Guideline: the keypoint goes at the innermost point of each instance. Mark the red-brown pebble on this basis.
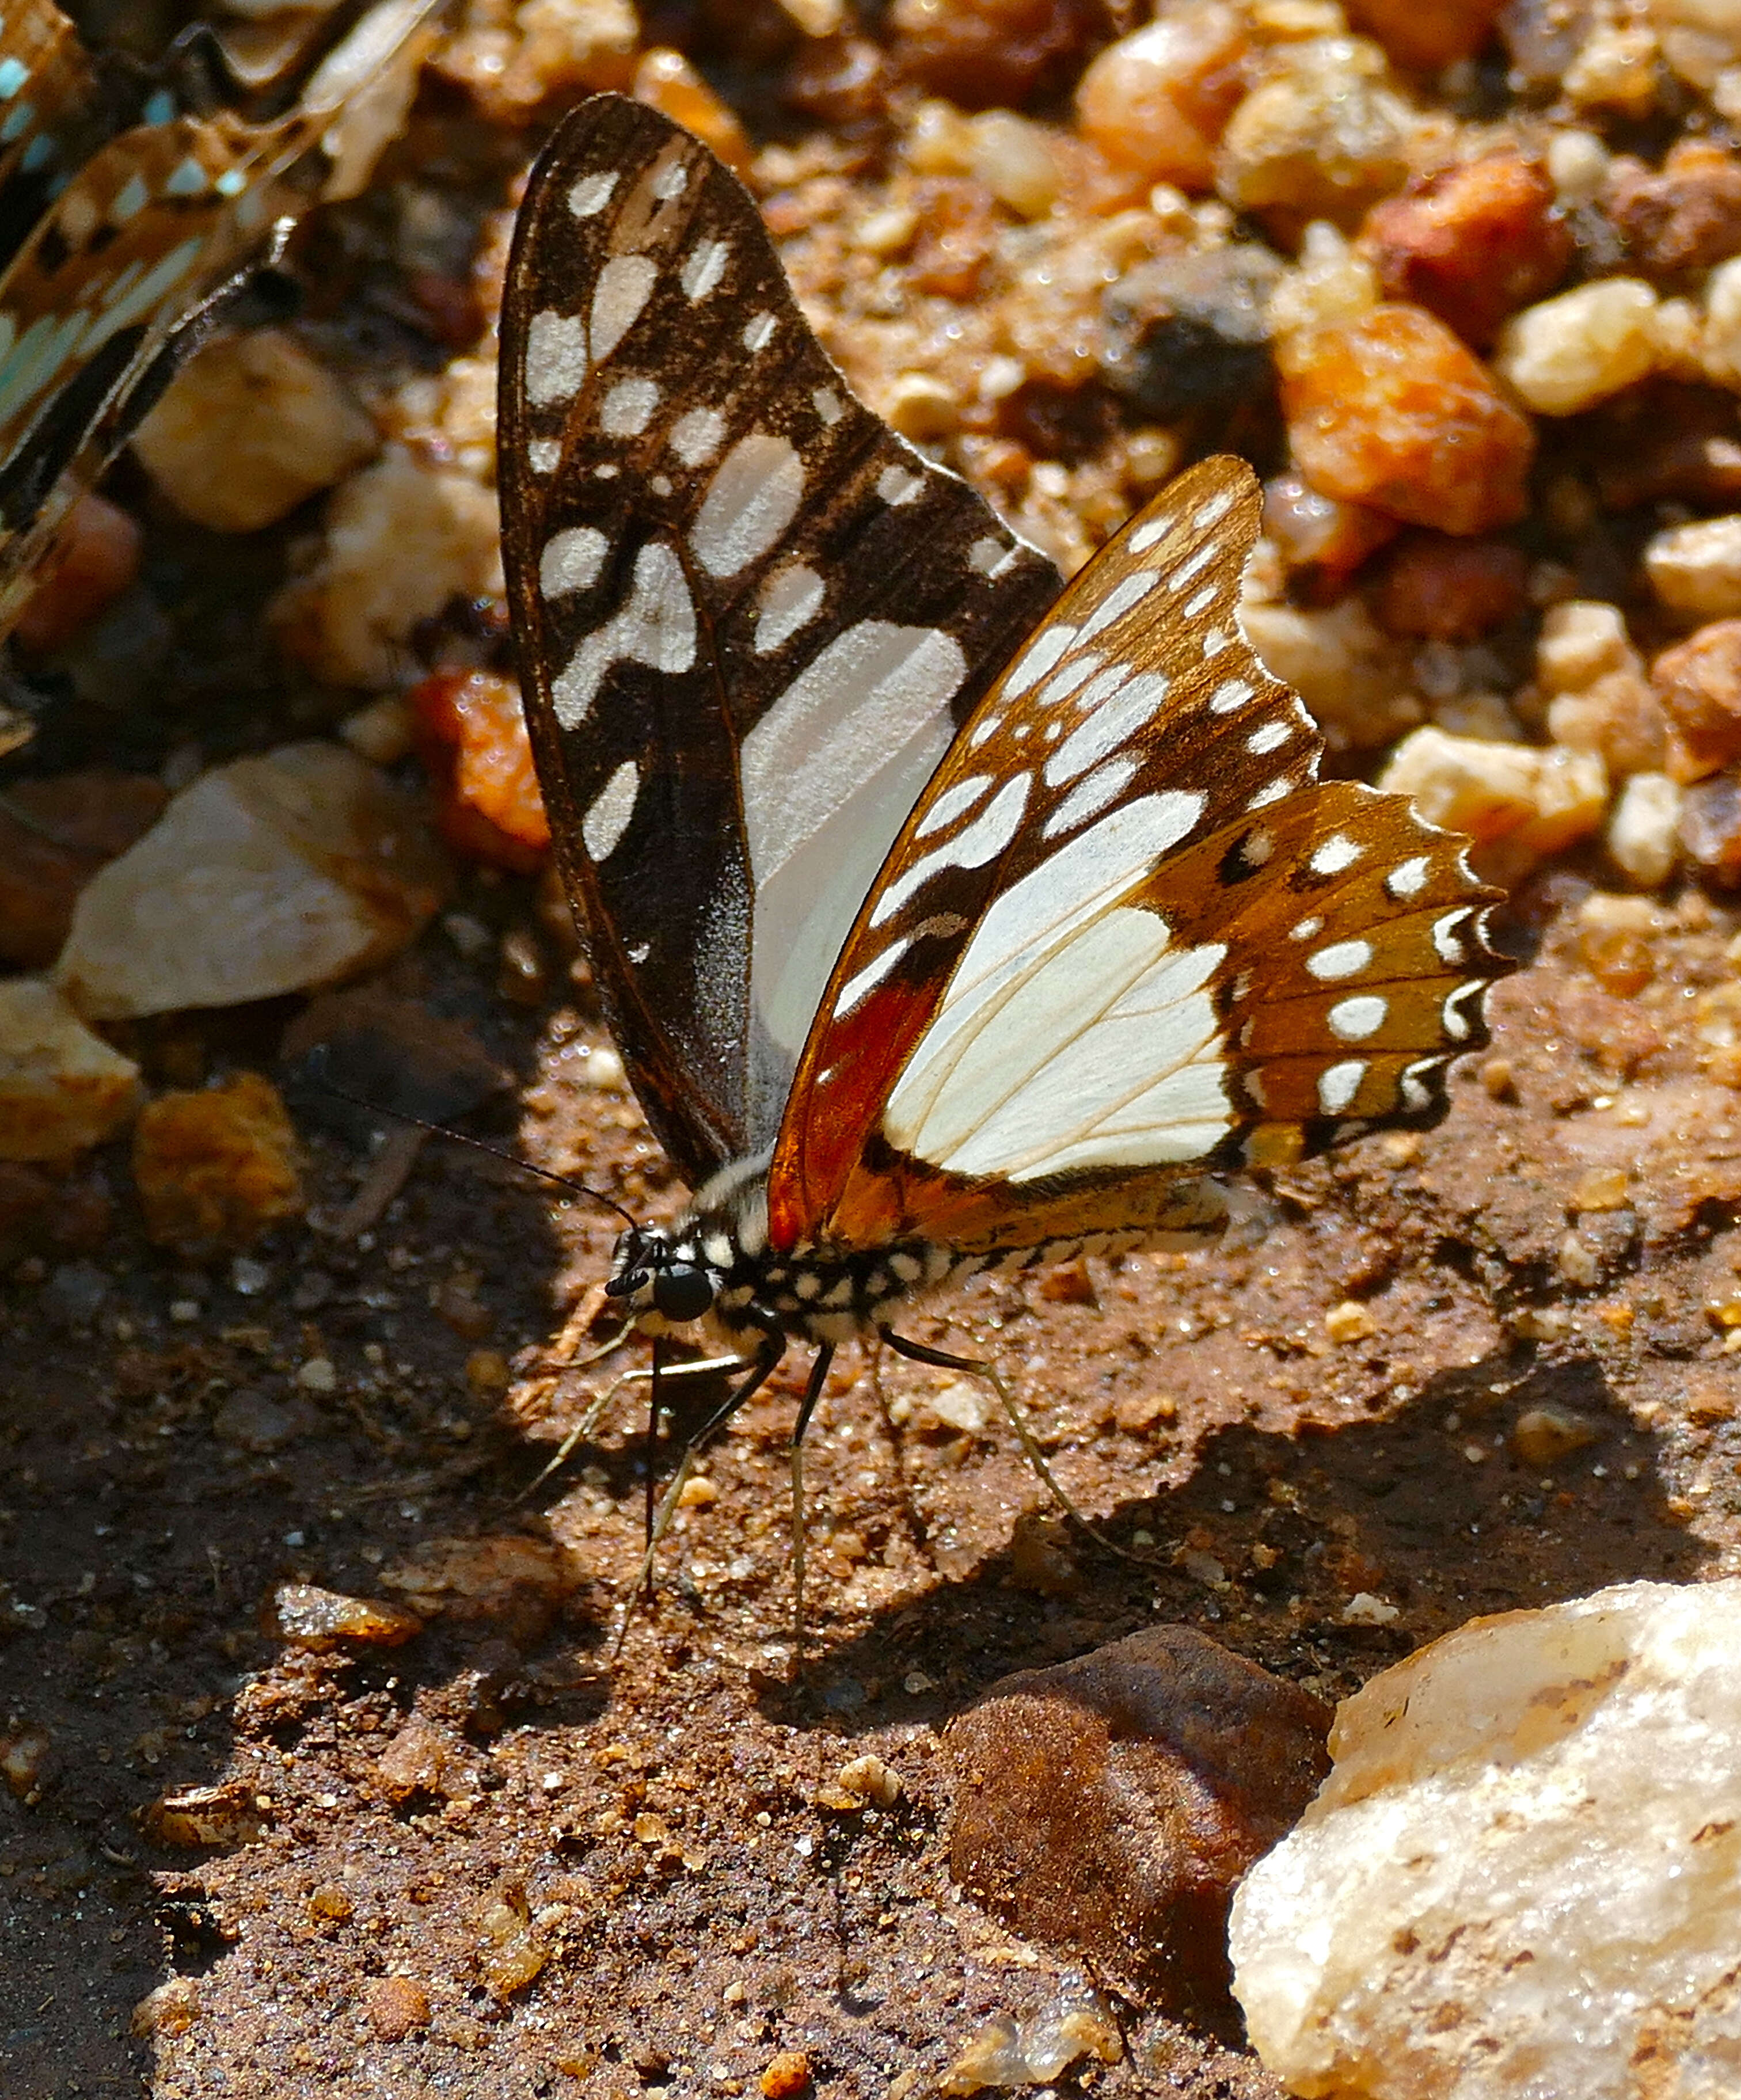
(1393, 410)
(1157, 102)
(1431, 588)
(1472, 244)
(1682, 218)
(395, 2006)
(990, 53)
(214, 1169)
(843, 82)
(1699, 683)
(1427, 37)
(1314, 531)
(1110, 1804)
(471, 734)
(787, 2076)
(958, 232)
(55, 834)
(96, 559)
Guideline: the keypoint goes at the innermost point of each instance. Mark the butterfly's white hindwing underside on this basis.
(1125, 934)
(751, 616)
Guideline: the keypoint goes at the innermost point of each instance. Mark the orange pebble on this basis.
(96, 557)
(1393, 411)
(1426, 37)
(471, 732)
(786, 2076)
(1157, 102)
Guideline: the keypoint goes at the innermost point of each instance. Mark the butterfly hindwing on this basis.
(1125, 935)
(750, 617)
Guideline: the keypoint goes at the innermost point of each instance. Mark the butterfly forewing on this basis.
(1125, 935)
(750, 617)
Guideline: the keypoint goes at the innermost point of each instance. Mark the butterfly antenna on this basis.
(479, 1145)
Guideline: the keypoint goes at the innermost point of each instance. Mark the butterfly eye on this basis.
(682, 1294)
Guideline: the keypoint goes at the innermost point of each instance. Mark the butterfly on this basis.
(120, 252)
(946, 918)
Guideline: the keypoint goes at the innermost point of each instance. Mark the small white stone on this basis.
(1696, 569)
(1519, 803)
(402, 538)
(1643, 830)
(267, 875)
(1568, 353)
(1519, 1879)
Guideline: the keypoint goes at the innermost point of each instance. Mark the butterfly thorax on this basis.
(715, 1260)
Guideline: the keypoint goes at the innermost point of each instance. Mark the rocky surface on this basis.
(1519, 1876)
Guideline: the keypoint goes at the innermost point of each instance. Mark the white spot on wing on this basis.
(953, 802)
(753, 497)
(671, 181)
(1408, 878)
(1230, 694)
(695, 435)
(791, 598)
(628, 408)
(1447, 937)
(544, 455)
(656, 628)
(1038, 657)
(759, 332)
(555, 358)
(591, 194)
(1337, 1084)
(828, 404)
(1337, 852)
(1353, 1019)
(1271, 737)
(895, 485)
(608, 817)
(1200, 602)
(1213, 512)
(869, 977)
(704, 268)
(1342, 959)
(981, 841)
(989, 557)
(1112, 722)
(1126, 593)
(1088, 797)
(624, 286)
(572, 560)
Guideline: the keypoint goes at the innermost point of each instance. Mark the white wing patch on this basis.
(753, 497)
(1073, 1034)
(656, 628)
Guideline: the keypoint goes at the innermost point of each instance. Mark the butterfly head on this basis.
(663, 1282)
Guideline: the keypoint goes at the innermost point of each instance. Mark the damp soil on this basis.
(507, 1858)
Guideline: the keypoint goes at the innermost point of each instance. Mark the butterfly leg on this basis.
(920, 1353)
(762, 1367)
(819, 1374)
(708, 1366)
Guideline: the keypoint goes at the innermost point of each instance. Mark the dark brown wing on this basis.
(749, 616)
